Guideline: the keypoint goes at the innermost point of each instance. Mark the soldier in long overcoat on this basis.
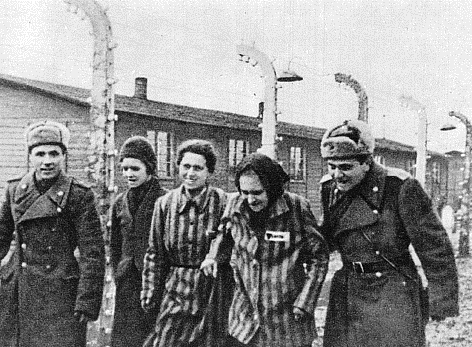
(131, 222)
(371, 215)
(279, 259)
(54, 278)
(192, 308)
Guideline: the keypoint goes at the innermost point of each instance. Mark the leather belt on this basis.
(359, 267)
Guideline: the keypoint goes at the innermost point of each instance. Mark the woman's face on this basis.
(134, 171)
(193, 171)
(252, 190)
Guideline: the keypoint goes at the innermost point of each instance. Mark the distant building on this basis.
(23, 101)
(455, 178)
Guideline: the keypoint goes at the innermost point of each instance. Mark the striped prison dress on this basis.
(180, 236)
(273, 276)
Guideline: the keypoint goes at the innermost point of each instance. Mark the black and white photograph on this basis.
(230, 173)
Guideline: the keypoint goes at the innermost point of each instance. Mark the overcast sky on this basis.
(187, 50)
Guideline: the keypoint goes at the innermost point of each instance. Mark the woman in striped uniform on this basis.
(184, 222)
(279, 259)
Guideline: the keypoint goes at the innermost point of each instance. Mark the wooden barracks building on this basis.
(24, 101)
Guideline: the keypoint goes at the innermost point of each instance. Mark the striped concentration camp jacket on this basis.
(274, 276)
(180, 237)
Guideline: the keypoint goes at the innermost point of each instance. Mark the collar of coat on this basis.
(29, 203)
(185, 200)
(147, 204)
(366, 203)
(278, 208)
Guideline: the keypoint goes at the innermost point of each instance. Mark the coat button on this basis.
(23, 245)
(378, 274)
(23, 265)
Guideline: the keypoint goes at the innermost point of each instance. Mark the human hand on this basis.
(209, 267)
(147, 305)
(437, 318)
(299, 314)
(82, 317)
(225, 225)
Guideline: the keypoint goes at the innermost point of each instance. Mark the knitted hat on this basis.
(349, 140)
(47, 133)
(138, 147)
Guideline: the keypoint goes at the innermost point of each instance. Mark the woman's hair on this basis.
(197, 146)
(269, 172)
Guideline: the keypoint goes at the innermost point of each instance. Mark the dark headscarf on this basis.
(270, 173)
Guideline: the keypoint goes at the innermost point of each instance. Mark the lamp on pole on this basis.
(466, 206)
(251, 55)
(412, 104)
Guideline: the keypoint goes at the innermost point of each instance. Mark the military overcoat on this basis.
(129, 240)
(45, 280)
(383, 308)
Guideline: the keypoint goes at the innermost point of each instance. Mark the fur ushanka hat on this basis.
(350, 139)
(47, 132)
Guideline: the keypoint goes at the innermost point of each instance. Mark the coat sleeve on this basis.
(92, 252)
(315, 254)
(222, 243)
(156, 264)
(434, 249)
(116, 239)
(7, 225)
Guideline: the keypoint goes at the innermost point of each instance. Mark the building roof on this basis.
(455, 153)
(128, 104)
(160, 109)
(393, 145)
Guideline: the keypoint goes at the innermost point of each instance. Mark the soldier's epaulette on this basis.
(399, 173)
(80, 183)
(326, 178)
(17, 178)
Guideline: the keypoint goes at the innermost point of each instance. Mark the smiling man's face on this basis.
(47, 160)
(347, 173)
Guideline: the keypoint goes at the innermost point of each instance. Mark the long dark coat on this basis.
(129, 240)
(181, 232)
(44, 280)
(383, 308)
(270, 278)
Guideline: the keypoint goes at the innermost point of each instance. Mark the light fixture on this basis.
(289, 76)
(448, 126)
